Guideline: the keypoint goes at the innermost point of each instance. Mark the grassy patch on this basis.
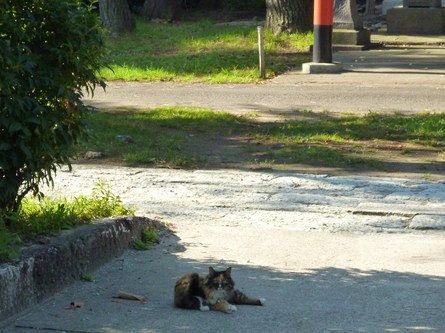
(87, 278)
(191, 137)
(160, 137)
(200, 51)
(313, 154)
(350, 140)
(48, 217)
(426, 129)
(149, 238)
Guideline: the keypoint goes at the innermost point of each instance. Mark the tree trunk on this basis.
(289, 16)
(115, 15)
(162, 9)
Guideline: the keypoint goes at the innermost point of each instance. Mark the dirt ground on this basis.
(393, 159)
(393, 162)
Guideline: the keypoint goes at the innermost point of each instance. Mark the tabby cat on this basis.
(215, 291)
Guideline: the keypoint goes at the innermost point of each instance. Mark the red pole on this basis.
(323, 21)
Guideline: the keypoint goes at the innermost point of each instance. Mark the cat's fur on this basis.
(215, 291)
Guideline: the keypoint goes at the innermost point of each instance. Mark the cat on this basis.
(215, 292)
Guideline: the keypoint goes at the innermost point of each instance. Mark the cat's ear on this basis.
(228, 271)
(212, 272)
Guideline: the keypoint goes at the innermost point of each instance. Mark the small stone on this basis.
(124, 138)
(43, 240)
(93, 155)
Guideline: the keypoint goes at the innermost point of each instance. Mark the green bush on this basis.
(50, 51)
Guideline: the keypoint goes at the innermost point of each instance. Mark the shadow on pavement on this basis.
(327, 299)
(399, 60)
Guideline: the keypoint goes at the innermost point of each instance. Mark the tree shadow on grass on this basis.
(197, 138)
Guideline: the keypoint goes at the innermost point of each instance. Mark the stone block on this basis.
(422, 3)
(428, 222)
(421, 21)
(46, 269)
(351, 37)
(321, 68)
(346, 15)
(388, 4)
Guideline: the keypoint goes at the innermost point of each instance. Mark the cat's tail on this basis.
(188, 293)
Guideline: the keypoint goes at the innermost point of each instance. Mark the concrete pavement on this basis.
(313, 283)
(330, 254)
(268, 200)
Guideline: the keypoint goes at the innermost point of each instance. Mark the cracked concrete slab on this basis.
(266, 199)
(424, 222)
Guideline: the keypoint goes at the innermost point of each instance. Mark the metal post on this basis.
(323, 21)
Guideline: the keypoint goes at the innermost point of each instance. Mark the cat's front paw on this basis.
(262, 301)
(231, 308)
(204, 308)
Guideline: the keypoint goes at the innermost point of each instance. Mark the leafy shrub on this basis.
(50, 51)
(102, 203)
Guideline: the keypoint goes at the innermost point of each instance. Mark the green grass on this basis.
(161, 136)
(426, 129)
(316, 155)
(184, 137)
(149, 237)
(349, 141)
(48, 217)
(200, 51)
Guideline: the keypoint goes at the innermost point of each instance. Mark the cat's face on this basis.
(219, 283)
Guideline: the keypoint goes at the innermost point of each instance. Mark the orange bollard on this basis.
(323, 21)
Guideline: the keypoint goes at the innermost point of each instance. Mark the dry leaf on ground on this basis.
(129, 296)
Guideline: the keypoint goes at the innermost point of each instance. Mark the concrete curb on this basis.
(322, 68)
(46, 269)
